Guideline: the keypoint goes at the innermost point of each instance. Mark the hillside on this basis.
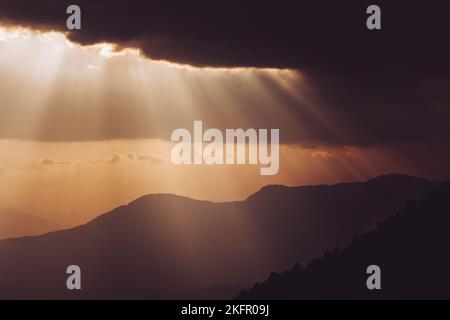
(411, 248)
(164, 246)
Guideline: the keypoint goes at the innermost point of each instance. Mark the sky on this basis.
(86, 115)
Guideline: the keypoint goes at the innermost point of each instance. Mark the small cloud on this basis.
(130, 156)
(50, 162)
(47, 162)
(115, 158)
(143, 157)
(64, 163)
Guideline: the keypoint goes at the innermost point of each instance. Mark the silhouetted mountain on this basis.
(411, 248)
(165, 246)
(14, 223)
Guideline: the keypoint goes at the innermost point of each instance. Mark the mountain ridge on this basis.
(160, 245)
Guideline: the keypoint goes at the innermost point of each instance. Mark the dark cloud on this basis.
(324, 35)
(379, 113)
(374, 87)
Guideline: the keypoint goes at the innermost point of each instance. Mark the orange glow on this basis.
(94, 125)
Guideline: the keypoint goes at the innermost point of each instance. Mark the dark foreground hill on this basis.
(166, 246)
(411, 248)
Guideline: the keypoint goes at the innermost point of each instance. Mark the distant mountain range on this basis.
(411, 249)
(14, 223)
(167, 246)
